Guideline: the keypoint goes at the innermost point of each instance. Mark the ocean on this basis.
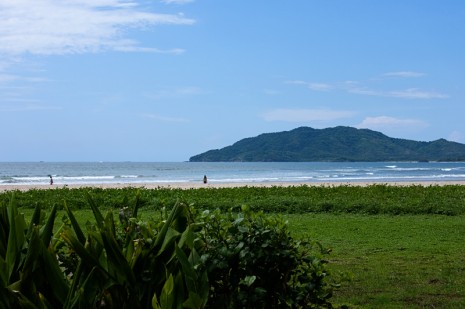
(67, 173)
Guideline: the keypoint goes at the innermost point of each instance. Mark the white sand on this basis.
(186, 185)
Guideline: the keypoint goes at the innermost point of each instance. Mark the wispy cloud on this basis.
(50, 27)
(320, 86)
(312, 85)
(167, 93)
(177, 1)
(411, 93)
(414, 93)
(31, 107)
(404, 74)
(365, 88)
(386, 122)
(303, 115)
(165, 118)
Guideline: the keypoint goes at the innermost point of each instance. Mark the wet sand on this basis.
(190, 185)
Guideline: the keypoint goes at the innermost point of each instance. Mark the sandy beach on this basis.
(190, 185)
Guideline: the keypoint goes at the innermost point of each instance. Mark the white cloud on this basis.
(404, 74)
(414, 93)
(320, 86)
(296, 82)
(170, 93)
(177, 1)
(165, 119)
(360, 88)
(48, 27)
(386, 122)
(311, 85)
(28, 108)
(299, 115)
(411, 93)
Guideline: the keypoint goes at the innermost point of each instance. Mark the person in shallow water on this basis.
(205, 179)
(51, 179)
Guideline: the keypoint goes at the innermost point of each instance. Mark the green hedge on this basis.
(372, 199)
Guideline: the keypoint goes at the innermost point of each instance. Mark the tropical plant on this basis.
(30, 276)
(135, 264)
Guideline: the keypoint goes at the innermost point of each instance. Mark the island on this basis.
(337, 144)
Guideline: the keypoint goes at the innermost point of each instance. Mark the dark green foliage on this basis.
(253, 262)
(29, 273)
(305, 144)
(135, 264)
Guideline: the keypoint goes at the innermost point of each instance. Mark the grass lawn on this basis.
(394, 261)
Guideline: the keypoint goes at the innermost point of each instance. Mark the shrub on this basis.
(253, 262)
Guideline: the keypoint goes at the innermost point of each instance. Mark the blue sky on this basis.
(152, 80)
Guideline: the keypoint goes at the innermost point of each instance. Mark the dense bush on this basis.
(187, 259)
(253, 262)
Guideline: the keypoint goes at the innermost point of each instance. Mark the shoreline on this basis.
(199, 185)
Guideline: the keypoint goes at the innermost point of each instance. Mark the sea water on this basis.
(67, 173)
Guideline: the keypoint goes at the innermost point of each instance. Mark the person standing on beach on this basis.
(205, 179)
(51, 179)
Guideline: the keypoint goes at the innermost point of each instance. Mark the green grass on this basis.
(394, 261)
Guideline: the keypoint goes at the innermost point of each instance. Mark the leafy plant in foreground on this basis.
(253, 262)
(29, 273)
(135, 264)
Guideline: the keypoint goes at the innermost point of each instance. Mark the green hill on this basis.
(306, 144)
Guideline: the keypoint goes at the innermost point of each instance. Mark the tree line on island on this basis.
(338, 144)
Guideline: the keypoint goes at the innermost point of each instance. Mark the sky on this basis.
(163, 80)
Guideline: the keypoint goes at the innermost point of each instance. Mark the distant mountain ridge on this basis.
(338, 144)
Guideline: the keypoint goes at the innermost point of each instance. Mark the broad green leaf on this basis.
(167, 293)
(72, 292)
(83, 296)
(177, 209)
(117, 263)
(187, 268)
(55, 277)
(46, 231)
(136, 205)
(35, 220)
(110, 223)
(85, 255)
(170, 236)
(16, 237)
(97, 214)
(32, 256)
(194, 301)
(188, 238)
(155, 303)
(75, 225)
